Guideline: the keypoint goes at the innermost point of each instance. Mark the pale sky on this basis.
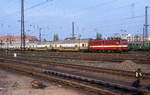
(107, 17)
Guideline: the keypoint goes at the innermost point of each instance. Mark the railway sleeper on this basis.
(146, 75)
(90, 80)
(94, 81)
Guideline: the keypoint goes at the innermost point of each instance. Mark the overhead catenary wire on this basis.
(121, 23)
(130, 18)
(32, 7)
(115, 9)
(85, 10)
(98, 5)
(37, 5)
(44, 2)
(127, 18)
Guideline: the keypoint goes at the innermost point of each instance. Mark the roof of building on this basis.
(17, 37)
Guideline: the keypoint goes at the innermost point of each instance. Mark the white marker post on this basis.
(15, 54)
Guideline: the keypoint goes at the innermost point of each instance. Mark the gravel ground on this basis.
(138, 56)
(127, 65)
(17, 84)
(78, 58)
(127, 81)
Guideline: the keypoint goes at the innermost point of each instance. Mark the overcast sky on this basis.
(107, 17)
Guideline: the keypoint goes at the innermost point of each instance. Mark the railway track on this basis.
(92, 72)
(85, 68)
(138, 57)
(94, 85)
(139, 61)
(109, 58)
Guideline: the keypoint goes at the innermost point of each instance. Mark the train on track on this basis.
(139, 45)
(79, 45)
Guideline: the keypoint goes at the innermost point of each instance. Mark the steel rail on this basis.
(86, 68)
(27, 67)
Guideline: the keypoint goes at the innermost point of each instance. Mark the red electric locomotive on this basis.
(108, 45)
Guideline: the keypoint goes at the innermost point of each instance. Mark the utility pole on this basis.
(72, 29)
(132, 9)
(143, 35)
(146, 24)
(23, 37)
(40, 36)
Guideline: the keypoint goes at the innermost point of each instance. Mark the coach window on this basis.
(147, 44)
(82, 45)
